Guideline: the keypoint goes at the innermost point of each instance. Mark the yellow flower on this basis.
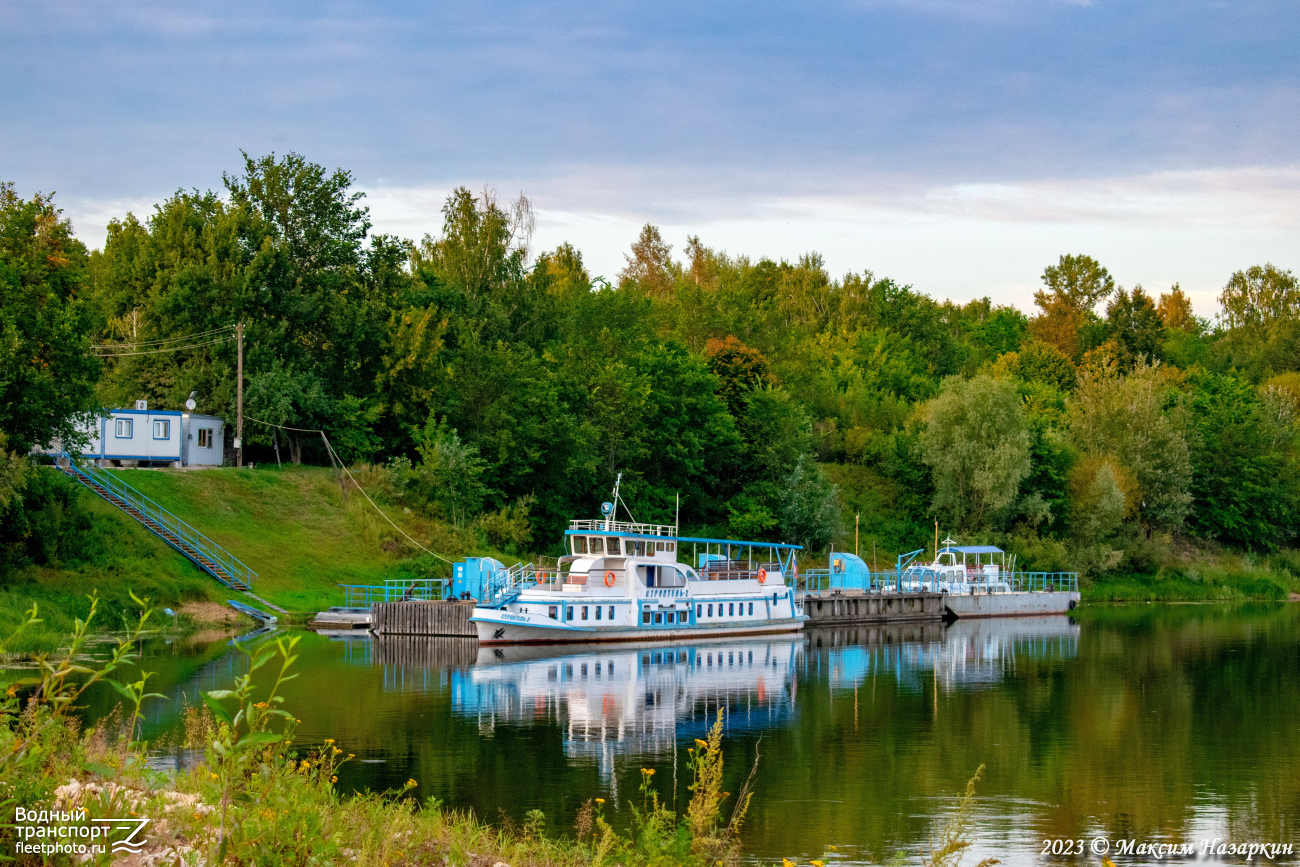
(832, 848)
(786, 862)
(329, 741)
(600, 800)
(819, 864)
(334, 779)
(411, 784)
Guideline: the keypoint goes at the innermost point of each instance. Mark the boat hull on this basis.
(1027, 604)
(497, 627)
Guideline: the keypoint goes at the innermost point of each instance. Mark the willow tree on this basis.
(977, 446)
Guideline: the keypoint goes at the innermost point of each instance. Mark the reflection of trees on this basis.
(1164, 712)
(1160, 722)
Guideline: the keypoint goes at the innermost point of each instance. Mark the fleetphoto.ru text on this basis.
(70, 832)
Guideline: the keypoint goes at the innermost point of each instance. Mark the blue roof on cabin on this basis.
(973, 549)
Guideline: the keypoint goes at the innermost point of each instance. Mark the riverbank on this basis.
(292, 526)
(1201, 575)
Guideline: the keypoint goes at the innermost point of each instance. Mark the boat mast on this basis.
(609, 518)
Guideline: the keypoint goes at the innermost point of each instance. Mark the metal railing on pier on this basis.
(395, 590)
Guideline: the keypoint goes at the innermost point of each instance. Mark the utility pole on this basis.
(857, 524)
(239, 396)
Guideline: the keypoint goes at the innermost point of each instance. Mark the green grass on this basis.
(291, 526)
(1212, 579)
(120, 556)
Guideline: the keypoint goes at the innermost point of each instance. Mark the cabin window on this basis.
(731, 610)
(611, 617)
(670, 546)
(611, 545)
(162, 429)
(710, 609)
(659, 618)
(597, 545)
(584, 612)
(774, 600)
(751, 609)
(122, 428)
(205, 437)
(568, 614)
(699, 610)
(598, 609)
(552, 613)
(645, 616)
(580, 544)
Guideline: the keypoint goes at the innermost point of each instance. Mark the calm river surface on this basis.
(1155, 724)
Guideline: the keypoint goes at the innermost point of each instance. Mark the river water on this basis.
(1120, 729)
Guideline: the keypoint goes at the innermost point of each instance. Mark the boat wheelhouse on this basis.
(627, 582)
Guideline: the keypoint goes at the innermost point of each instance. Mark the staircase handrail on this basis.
(182, 530)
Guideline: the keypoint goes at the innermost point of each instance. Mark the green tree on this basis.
(810, 513)
(1140, 421)
(1245, 484)
(1133, 322)
(1261, 309)
(1073, 287)
(47, 375)
(976, 444)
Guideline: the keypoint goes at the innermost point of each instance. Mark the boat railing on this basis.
(598, 526)
(927, 579)
(735, 570)
(395, 590)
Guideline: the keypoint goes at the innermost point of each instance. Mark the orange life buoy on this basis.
(762, 576)
(609, 579)
(541, 576)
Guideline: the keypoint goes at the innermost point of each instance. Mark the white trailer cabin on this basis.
(150, 438)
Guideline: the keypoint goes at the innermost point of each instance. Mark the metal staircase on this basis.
(206, 554)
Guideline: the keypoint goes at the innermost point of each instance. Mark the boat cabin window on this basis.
(660, 576)
(596, 545)
(580, 544)
(611, 545)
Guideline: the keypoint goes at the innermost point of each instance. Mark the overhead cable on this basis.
(334, 456)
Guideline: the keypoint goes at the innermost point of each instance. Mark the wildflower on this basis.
(411, 784)
(786, 862)
(600, 800)
(329, 741)
(214, 776)
(819, 864)
(701, 744)
(334, 779)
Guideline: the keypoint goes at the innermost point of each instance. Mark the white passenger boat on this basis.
(627, 582)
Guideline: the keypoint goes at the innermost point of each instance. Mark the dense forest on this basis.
(497, 387)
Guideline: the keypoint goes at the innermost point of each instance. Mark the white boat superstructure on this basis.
(626, 582)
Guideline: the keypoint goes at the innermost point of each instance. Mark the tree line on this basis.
(484, 381)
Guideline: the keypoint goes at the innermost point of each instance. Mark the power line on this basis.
(163, 340)
(225, 339)
(334, 456)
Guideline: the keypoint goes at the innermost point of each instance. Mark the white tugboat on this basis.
(624, 582)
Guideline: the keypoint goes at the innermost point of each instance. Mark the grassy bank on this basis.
(292, 526)
(1204, 575)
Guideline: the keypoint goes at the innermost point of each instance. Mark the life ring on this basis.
(541, 577)
(609, 579)
(762, 576)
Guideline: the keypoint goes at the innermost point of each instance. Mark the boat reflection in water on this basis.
(619, 701)
(969, 654)
(613, 701)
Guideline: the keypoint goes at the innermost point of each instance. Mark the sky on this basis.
(953, 145)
